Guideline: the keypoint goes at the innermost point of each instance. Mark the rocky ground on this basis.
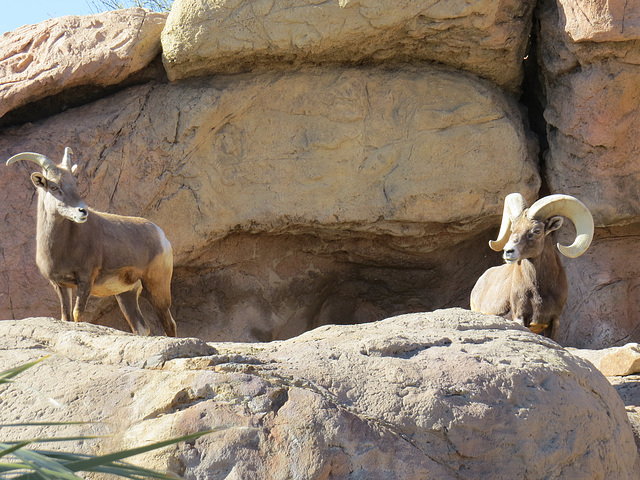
(307, 175)
(305, 172)
(621, 365)
(444, 395)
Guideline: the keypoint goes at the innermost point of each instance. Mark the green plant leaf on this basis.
(121, 469)
(6, 449)
(52, 465)
(114, 457)
(7, 375)
(43, 465)
(43, 424)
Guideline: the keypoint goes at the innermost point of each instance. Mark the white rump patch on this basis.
(166, 245)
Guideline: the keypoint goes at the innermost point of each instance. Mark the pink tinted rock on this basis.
(446, 395)
(601, 20)
(40, 60)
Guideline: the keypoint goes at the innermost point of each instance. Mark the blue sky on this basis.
(16, 13)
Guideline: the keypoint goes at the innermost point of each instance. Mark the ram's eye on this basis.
(54, 188)
(537, 231)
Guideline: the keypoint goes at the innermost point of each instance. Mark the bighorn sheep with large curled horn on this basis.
(97, 253)
(532, 286)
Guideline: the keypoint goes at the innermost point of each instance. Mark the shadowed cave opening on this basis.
(264, 287)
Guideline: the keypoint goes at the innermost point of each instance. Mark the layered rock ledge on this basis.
(486, 38)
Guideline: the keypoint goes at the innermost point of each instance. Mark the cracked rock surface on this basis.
(287, 197)
(487, 38)
(37, 61)
(448, 394)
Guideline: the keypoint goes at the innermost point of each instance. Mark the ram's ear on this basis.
(39, 180)
(74, 169)
(553, 224)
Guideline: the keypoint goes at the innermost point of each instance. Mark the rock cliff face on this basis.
(455, 395)
(589, 62)
(322, 163)
(313, 161)
(488, 38)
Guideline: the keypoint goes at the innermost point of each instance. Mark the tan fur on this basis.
(97, 253)
(533, 290)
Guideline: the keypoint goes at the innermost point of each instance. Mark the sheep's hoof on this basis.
(537, 327)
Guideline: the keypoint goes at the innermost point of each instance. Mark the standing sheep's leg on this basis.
(160, 297)
(554, 329)
(157, 283)
(168, 323)
(130, 307)
(84, 291)
(64, 295)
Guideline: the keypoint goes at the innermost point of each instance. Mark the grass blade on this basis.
(55, 439)
(8, 448)
(7, 375)
(91, 463)
(131, 471)
(43, 466)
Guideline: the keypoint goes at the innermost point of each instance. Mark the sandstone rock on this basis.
(347, 176)
(601, 20)
(593, 100)
(487, 38)
(603, 302)
(594, 134)
(450, 394)
(628, 387)
(614, 361)
(634, 418)
(621, 361)
(41, 60)
(590, 68)
(592, 356)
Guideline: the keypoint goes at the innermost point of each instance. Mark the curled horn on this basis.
(574, 210)
(66, 159)
(38, 158)
(514, 206)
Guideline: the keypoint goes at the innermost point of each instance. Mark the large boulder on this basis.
(288, 196)
(600, 20)
(76, 52)
(446, 395)
(590, 65)
(589, 54)
(487, 38)
(314, 188)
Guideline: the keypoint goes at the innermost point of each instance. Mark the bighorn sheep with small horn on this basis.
(532, 286)
(97, 253)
